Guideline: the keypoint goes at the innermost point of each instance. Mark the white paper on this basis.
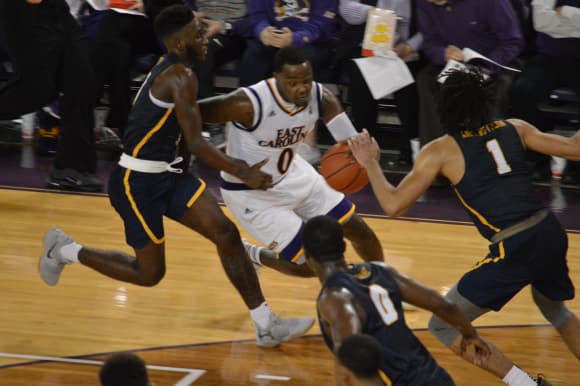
(384, 74)
(469, 54)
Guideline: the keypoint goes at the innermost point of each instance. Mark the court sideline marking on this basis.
(191, 376)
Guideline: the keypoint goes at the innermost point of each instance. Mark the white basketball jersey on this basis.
(278, 128)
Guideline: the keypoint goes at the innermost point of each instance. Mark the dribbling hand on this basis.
(254, 177)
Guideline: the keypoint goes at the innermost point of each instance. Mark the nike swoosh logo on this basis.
(50, 251)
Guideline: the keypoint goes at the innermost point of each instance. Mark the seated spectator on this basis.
(44, 43)
(448, 26)
(556, 64)
(124, 369)
(121, 36)
(281, 23)
(364, 108)
(227, 43)
(124, 33)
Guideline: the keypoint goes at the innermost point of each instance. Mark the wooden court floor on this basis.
(193, 325)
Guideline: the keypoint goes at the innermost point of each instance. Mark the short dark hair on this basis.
(124, 369)
(291, 55)
(171, 20)
(465, 99)
(323, 239)
(361, 354)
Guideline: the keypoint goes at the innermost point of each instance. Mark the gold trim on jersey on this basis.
(148, 230)
(491, 259)
(279, 101)
(135, 153)
(155, 129)
(385, 378)
(297, 255)
(198, 193)
(483, 130)
(348, 215)
(476, 213)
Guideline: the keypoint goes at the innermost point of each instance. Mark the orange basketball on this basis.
(341, 170)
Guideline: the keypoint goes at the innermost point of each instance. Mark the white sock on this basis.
(70, 252)
(261, 315)
(518, 377)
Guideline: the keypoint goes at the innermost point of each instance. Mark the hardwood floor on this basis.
(195, 306)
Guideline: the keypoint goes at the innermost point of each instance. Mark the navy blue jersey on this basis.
(405, 360)
(152, 132)
(496, 188)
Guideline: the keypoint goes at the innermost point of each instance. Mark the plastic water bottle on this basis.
(557, 166)
(28, 127)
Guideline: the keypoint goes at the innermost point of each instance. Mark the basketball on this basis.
(341, 170)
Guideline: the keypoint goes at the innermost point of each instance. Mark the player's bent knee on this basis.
(152, 277)
(445, 333)
(554, 311)
(356, 228)
(226, 233)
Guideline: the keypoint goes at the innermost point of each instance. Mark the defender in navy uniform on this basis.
(367, 298)
(484, 160)
(148, 184)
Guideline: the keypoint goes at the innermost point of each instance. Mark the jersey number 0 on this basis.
(383, 304)
(285, 159)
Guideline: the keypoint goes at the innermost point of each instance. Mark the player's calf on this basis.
(363, 239)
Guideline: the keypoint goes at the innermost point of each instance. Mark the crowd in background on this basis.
(540, 37)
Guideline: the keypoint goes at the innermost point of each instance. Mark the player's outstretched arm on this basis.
(337, 309)
(550, 144)
(396, 200)
(179, 85)
(424, 297)
(235, 106)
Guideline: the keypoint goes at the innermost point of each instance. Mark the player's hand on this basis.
(254, 177)
(284, 39)
(454, 52)
(365, 148)
(481, 348)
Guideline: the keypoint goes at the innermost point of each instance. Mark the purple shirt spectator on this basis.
(310, 21)
(489, 27)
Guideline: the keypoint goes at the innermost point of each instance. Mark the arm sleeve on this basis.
(433, 44)
(505, 27)
(258, 16)
(416, 41)
(547, 20)
(353, 11)
(320, 25)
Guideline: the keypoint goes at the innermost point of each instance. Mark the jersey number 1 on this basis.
(495, 150)
(383, 304)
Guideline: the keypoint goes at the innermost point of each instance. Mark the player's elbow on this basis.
(393, 209)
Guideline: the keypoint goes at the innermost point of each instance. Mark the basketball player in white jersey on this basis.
(267, 121)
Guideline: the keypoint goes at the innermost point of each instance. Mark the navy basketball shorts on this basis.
(142, 199)
(440, 378)
(536, 256)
